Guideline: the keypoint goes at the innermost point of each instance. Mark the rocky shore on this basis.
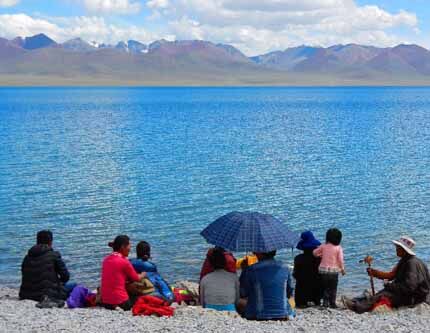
(23, 316)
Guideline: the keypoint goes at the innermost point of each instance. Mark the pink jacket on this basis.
(331, 257)
(116, 272)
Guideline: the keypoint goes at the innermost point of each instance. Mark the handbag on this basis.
(140, 288)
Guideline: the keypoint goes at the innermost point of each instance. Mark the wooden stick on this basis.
(368, 260)
(372, 284)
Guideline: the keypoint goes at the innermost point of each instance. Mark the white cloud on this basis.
(254, 26)
(24, 25)
(282, 5)
(89, 28)
(277, 14)
(120, 7)
(257, 26)
(8, 3)
(158, 4)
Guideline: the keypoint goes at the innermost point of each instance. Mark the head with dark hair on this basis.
(121, 244)
(265, 255)
(333, 236)
(217, 259)
(143, 250)
(45, 237)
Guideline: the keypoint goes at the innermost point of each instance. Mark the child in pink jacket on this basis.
(331, 265)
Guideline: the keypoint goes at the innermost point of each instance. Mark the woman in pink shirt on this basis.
(116, 272)
(331, 265)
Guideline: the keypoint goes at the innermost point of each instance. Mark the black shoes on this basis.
(49, 303)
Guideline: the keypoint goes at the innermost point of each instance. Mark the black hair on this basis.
(269, 255)
(219, 248)
(143, 250)
(333, 236)
(44, 237)
(217, 259)
(119, 242)
(265, 255)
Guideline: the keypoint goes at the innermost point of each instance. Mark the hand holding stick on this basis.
(368, 260)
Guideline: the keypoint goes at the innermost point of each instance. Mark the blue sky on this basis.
(254, 26)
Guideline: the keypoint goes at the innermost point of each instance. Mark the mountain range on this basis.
(39, 60)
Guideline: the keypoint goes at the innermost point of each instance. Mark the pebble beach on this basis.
(24, 316)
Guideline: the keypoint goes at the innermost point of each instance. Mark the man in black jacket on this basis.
(44, 273)
(409, 281)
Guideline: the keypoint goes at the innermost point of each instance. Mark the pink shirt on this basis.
(116, 271)
(331, 257)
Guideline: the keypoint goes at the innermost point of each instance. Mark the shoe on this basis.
(48, 303)
(348, 303)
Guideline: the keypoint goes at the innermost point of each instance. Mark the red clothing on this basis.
(116, 272)
(230, 264)
(149, 305)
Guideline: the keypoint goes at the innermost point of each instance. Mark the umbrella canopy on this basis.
(249, 232)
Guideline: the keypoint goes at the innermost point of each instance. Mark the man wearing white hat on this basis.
(409, 281)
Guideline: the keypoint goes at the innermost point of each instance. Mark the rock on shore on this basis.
(23, 316)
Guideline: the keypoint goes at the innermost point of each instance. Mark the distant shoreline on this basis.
(44, 82)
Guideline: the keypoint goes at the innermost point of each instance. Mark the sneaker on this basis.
(48, 303)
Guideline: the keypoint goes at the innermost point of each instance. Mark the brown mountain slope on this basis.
(204, 63)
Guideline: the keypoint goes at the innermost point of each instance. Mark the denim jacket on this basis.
(267, 285)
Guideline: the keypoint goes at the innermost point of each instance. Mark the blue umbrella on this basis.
(249, 232)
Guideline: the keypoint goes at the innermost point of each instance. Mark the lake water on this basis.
(161, 163)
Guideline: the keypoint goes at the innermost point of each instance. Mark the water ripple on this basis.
(161, 163)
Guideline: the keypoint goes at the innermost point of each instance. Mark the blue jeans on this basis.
(69, 286)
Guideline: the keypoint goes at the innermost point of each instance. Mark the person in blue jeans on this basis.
(267, 287)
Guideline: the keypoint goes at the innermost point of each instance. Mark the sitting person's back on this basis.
(219, 290)
(43, 271)
(267, 287)
(116, 273)
(142, 263)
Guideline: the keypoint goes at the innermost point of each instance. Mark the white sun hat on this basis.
(407, 243)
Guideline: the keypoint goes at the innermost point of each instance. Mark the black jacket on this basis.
(411, 284)
(308, 280)
(43, 273)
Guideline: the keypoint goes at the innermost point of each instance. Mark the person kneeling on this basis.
(219, 290)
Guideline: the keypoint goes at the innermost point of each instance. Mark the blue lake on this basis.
(159, 164)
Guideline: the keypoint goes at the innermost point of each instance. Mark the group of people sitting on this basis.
(263, 291)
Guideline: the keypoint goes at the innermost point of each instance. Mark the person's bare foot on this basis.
(348, 303)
